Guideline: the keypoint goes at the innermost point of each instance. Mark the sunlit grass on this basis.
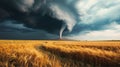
(36, 53)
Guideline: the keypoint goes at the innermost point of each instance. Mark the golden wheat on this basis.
(36, 53)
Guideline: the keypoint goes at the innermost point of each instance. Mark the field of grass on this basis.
(38, 53)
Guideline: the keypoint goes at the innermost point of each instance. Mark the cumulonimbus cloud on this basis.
(76, 16)
(48, 15)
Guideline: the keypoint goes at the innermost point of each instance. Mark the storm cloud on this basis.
(43, 14)
(78, 19)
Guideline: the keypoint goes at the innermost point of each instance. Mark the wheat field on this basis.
(51, 53)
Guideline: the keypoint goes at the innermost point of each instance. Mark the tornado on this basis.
(62, 30)
(64, 14)
(46, 15)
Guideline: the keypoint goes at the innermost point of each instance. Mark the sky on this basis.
(54, 19)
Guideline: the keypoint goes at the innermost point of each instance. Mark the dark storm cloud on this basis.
(27, 35)
(11, 30)
(40, 14)
(11, 26)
